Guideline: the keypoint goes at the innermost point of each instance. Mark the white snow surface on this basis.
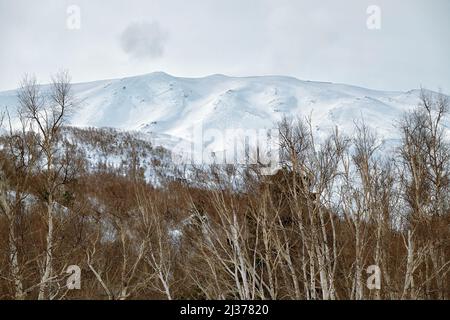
(169, 107)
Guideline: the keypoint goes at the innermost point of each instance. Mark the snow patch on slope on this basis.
(168, 107)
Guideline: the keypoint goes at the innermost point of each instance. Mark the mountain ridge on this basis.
(162, 105)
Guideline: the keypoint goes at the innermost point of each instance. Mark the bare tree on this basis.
(47, 113)
(425, 155)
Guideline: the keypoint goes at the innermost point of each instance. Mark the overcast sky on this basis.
(311, 40)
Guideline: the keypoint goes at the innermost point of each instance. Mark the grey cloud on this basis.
(144, 40)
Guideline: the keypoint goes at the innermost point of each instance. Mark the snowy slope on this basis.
(168, 107)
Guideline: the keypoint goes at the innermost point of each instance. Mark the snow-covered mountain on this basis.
(169, 107)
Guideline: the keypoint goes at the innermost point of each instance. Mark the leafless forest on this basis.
(319, 228)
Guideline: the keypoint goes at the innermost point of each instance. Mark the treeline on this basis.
(339, 220)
